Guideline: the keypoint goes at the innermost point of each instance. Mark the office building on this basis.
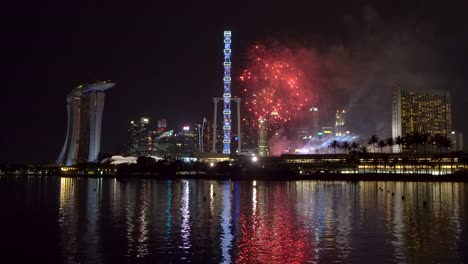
(262, 138)
(340, 123)
(162, 125)
(188, 142)
(140, 138)
(85, 105)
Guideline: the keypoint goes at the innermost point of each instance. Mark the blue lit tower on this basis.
(85, 106)
(227, 93)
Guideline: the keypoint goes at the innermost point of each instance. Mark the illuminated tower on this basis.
(340, 122)
(85, 105)
(315, 120)
(262, 138)
(227, 93)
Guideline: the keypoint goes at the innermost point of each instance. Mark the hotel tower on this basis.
(85, 105)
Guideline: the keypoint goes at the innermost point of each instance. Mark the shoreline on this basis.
(292, 177)
(263, 175)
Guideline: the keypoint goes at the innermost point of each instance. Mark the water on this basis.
(73, 220)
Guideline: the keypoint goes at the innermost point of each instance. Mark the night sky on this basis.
(166, 57)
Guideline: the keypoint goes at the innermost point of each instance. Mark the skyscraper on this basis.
(85, 105)
(426, 111)
(315, 120)
(162, 125)
(340, 123)
(140, 138)
(262, 138)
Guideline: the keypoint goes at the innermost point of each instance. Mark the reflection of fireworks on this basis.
(274, 85)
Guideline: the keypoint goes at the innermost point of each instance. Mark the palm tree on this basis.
(441, 141)
(354, 145)
(425, 139)
(364, 150)
(381, 144)
(417, 139)
(390, 143)
(345, 146)
(399, 141)
(334, 144)
(374, 139)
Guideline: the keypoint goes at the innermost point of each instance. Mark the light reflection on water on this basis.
(185, 214)
(106, 220)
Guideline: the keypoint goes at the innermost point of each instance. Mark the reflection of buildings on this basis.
(185, 225)
(85, 105)
(226, 218)
(79, 208)
(266, 222)
(271, 223)
(420, 111)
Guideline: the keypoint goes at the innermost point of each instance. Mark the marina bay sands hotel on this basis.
(85, 105)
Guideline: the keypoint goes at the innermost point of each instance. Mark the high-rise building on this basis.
(262, 138)
(340, 123)
(315, 120)
(85, 105)
(162, 125)
(165, 145)
(426, 111)
(188, 141)
(140, 138)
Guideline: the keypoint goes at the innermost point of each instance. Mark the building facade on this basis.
(340, 123)
(427, 111)
(85, 106)
(140, 138)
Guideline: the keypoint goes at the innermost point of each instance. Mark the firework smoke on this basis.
(277, 86)
(275, 83)
(359, 74)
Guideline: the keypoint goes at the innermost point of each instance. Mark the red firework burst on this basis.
(274, 85)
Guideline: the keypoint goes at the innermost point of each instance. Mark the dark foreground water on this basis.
(71, 220)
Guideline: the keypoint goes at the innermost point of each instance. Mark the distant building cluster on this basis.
(414, 112)
(146, 138)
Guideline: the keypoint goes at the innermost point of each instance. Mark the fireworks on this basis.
(274, 85)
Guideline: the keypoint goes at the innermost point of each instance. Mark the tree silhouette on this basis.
(399, 141)
(354, 145)
(334, 144)
(345, 146)
(381, 144)
(373, 140)
(390, 143)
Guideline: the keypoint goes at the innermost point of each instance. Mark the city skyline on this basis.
(166, 68)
